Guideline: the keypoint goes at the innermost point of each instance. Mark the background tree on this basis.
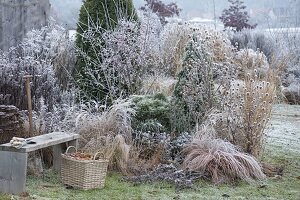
(236, 17)
(162, 10)
(96, 17)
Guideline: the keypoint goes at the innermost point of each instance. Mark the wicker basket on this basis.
(84, 174)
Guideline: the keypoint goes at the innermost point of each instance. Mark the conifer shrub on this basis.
(194, 92)
(152, 113)
(97, 17)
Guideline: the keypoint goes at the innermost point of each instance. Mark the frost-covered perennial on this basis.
(35, 56)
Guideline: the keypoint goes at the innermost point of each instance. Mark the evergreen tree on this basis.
(96, 17)
(103, 13)
(236, 17)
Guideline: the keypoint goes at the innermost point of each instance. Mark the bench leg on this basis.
(13, 168)
(58, 150)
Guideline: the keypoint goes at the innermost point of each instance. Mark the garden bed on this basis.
(282, 149)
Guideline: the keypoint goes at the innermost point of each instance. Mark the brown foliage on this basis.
(139, 163)
(221, 160)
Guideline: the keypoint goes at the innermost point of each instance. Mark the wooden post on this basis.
(28, 92)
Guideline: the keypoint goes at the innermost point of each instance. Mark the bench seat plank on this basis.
(42, 141)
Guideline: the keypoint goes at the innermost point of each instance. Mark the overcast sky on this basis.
(67, 10)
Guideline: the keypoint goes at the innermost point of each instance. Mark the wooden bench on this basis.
(13, 162)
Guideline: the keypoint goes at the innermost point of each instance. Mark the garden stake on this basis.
(28, 92)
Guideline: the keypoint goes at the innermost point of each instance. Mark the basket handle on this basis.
(70, 148)
(99, 152)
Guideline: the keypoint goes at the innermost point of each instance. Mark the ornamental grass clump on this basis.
(94, 127)
(174, 40)
(221, 161)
